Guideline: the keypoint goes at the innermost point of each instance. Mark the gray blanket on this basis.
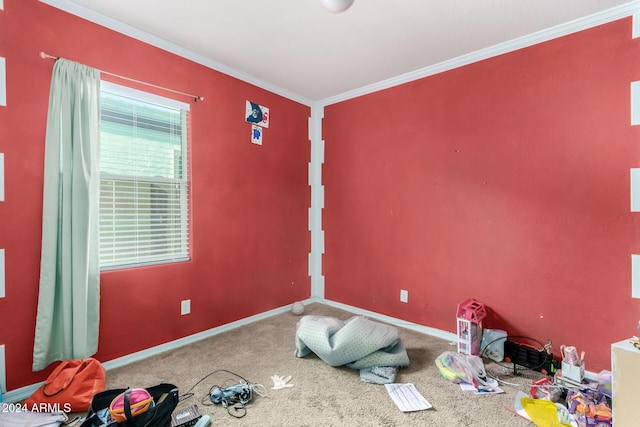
(358, 343)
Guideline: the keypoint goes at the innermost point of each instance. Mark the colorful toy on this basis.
(138, 399)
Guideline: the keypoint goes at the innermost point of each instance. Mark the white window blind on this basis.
(144, 179)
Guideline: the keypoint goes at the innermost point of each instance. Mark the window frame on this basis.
(185, 180)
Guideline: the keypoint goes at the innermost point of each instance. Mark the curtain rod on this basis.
(195, 97)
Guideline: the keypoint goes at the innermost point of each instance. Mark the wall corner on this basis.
(317, 201)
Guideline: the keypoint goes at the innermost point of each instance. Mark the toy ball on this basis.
(297, 308)
(139, 401)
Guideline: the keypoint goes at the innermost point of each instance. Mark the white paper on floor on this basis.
(407, 398)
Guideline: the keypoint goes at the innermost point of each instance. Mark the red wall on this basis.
(506, 181)
(249, 203)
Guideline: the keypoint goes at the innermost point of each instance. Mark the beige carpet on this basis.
(322, 395)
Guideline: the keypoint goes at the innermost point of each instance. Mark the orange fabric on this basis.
(71, 385)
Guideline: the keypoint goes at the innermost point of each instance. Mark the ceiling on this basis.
(296, 48)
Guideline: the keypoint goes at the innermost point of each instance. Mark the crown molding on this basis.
(128, 30)
(609, 15)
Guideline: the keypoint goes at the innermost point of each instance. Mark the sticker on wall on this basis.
(256, 134)
(3, 85)
(1, 177)
(257, 114)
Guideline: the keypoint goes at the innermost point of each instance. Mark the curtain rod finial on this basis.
(44, 55)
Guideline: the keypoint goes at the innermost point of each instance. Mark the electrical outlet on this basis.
(404, 296)
(185, 307)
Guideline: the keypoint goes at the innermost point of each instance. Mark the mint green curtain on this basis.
(69, 297)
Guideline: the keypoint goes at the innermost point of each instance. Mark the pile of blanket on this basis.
(373, 348)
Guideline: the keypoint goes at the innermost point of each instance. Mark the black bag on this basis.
(165, 398)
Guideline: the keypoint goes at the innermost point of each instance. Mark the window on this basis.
(144, 179)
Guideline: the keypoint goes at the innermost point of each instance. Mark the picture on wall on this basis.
(257, 114)
(256, 134)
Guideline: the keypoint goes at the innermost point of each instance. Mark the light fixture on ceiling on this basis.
(336, 6)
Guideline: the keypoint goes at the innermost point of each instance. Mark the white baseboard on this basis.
(26, 391)
(438, 333)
